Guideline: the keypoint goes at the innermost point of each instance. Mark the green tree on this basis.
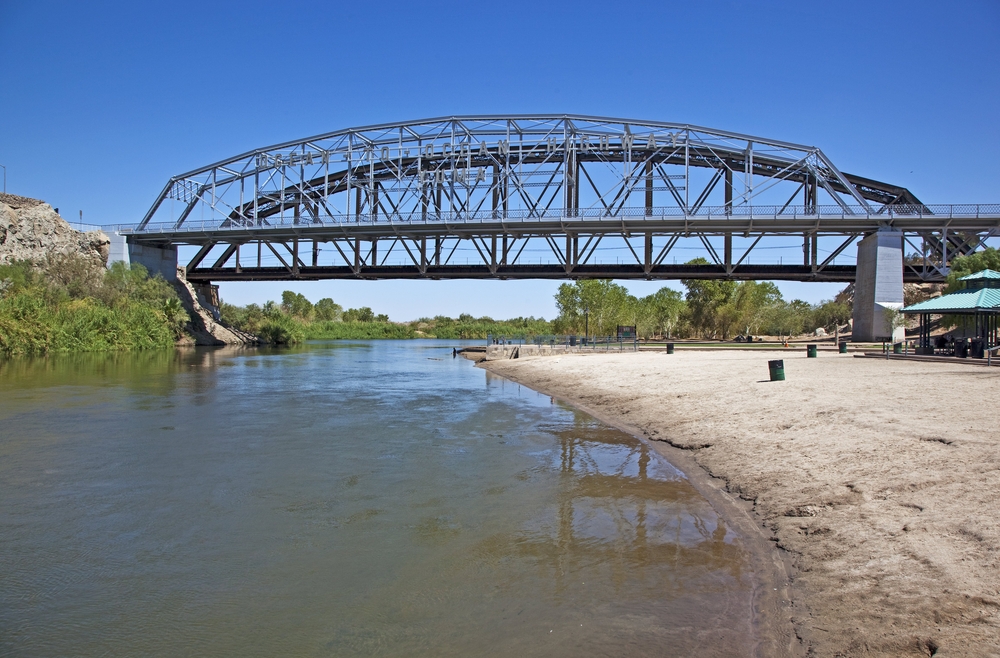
(296, 305)
(363, 314)
(270, 309)
(789, 319)
(604, 302)
(987, 259)
(831, 314)
(727, 317)
(570, 308)
(326, 310)
(666, 306)
(705, 299)
(753, 303)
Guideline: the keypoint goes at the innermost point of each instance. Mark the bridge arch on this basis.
(521, 166)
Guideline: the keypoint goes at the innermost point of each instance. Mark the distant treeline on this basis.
(708, 309)
(296, 319)
(719, 309)
(72, 304)
(714, 309)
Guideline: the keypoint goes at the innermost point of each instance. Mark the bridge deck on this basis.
(424, 243)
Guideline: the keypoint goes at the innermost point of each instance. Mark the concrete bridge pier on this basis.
(156, 259)
(878, 286)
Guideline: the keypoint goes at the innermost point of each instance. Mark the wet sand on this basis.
(876, 483)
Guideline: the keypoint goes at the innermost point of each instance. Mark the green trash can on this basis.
(670, 348)
(811, 351)
(776, 369)
(897, 348)
(843, 348)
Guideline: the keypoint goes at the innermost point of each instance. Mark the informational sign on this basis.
(626, 332)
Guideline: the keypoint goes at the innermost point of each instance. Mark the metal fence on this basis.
(941, 211)
(564, 342)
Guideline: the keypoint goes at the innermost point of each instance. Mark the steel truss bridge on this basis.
(541, 197)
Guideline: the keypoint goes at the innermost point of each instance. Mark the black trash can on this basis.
(670, 348)
(897, 348)
(978, 349)
(961, 349)
(572, 341)
(843, 348)
(776, 369)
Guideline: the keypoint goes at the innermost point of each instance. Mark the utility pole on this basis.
(4, 179)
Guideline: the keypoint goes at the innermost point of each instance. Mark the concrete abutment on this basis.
(878, 287)
(157, 259)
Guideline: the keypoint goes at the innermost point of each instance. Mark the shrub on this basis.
(66, 305)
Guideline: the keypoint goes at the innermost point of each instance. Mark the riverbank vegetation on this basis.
(66, 304)
(296, 319)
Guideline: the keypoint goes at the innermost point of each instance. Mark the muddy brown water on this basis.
(343, 499)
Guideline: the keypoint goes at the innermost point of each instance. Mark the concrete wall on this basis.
(118, 249)
(878, 286)
(155, 259)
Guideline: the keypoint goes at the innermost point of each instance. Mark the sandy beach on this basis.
(871, 486)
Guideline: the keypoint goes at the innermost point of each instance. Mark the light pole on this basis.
(586, 324)
(4, 179)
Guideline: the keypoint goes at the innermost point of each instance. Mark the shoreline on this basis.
(771, 600)
(874, 530)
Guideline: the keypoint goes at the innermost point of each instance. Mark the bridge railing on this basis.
(523, 215)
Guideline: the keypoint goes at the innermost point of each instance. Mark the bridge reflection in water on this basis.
(624, 516)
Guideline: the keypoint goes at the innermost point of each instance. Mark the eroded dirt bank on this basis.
(879, 478)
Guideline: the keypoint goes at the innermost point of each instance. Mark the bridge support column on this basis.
(156, 259)
(878, 285)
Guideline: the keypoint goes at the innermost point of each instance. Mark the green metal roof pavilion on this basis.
(980, 299)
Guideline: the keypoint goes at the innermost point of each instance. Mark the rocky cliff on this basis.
(32, 230)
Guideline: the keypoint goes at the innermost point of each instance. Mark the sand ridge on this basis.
(878, 479)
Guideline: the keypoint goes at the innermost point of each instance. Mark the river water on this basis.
(342, 499)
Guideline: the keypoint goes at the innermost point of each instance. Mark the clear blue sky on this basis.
(101, 102)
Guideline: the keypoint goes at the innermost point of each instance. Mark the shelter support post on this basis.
(925, 335)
